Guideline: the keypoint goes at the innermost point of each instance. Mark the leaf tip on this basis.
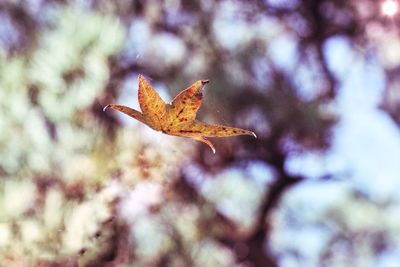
(141, 78)
(106, 107)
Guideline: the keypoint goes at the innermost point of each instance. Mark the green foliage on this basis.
(52, 161)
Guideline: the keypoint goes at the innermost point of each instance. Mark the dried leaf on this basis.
(179, 117)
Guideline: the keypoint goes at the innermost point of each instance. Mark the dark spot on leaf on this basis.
(188, 131)
(180, 111)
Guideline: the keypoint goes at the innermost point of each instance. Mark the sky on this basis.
(364, 153)
(366, 141)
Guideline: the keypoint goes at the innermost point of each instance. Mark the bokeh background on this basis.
(317, 80)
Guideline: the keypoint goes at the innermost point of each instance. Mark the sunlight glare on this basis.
(390, 7)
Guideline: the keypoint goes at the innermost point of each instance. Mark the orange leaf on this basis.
(179, 117)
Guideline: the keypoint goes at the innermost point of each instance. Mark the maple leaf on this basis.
(179, 117)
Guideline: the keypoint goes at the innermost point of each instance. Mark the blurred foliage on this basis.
(80, 187)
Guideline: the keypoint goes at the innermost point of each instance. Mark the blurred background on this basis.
(317, 80)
